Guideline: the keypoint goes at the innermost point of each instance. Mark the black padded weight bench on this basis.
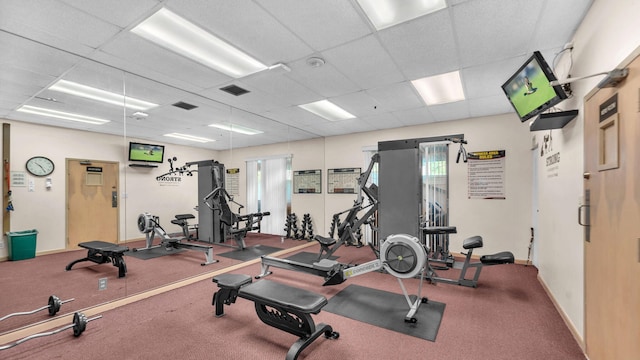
(278, 305)
(101, 252)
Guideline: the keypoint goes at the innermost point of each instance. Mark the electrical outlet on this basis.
(102, 284)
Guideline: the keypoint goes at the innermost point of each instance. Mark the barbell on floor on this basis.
(53, 307)
(79, 325)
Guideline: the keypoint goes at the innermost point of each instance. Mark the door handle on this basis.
(580, 208)
(586, 175)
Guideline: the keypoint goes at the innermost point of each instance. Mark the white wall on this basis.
(306, 155)
(608, 34)
(140, 192)
(44, 209)
(503, 224)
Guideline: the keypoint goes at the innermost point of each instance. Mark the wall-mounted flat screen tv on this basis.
(146, 152)
(528, 90)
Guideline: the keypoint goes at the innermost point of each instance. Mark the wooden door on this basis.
(612, 241)
(92, 201)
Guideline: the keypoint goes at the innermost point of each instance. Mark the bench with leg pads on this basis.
(278, 305)
(101, 252)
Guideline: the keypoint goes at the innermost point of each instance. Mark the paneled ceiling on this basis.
(366, 72)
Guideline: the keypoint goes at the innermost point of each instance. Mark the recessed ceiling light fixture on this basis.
(327, 110)
(61, 115)
(88, 92)
(237, 128)
(440, 89)
(189, 137)
(175, 33)
(386, 13)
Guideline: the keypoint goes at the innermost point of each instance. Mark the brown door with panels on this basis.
(92, 201)
(611, 216)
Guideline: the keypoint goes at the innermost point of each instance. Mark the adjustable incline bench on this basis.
(278, 305)
(101, 252)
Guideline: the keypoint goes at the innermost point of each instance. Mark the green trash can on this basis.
(22, 244)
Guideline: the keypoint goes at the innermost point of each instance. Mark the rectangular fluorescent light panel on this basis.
(175, 33)
(440, 89)
(62, 115)
(237, 128)
(189, 137)
(327, 110)
(88, 92)
(386, 13)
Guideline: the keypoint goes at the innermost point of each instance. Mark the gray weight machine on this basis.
(400, 209)
(359, 214)
(210, 177)
(236, 225)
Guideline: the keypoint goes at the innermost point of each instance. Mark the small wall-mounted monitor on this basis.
(146, 152)
(528, 90)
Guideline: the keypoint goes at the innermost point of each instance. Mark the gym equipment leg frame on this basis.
(101, 252)
(150, 226)
(278, 305)
(505, 257)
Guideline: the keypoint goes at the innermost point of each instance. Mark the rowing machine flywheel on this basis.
(404, 256)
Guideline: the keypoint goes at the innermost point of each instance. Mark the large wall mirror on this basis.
(83, 110)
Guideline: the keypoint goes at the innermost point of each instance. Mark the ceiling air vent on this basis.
(234, 90)
(184, 105)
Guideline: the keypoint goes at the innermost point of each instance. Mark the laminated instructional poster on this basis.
(307, 182)
(486, 170)
(343, 181)
(232, 182)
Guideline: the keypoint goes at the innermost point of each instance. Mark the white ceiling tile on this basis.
(247, 26)
(254, 101)
(423, 47)
(451, 111)
(326, 80)
(491, 105)
(417, 116)
(56, 23)
(118, 12)
(288, 90)
(138, 51)
(382, 121)
(486, 79)
(294, 116)
(365, 62)
(358, 103)
(558, 23)
(366, 72)
(33, 57)
(321, 24)
(487, 30)
(396, 97)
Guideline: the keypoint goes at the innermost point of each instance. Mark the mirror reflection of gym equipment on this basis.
(216, 221)
(150, 226)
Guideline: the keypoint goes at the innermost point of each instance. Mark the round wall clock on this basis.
(40, 166)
